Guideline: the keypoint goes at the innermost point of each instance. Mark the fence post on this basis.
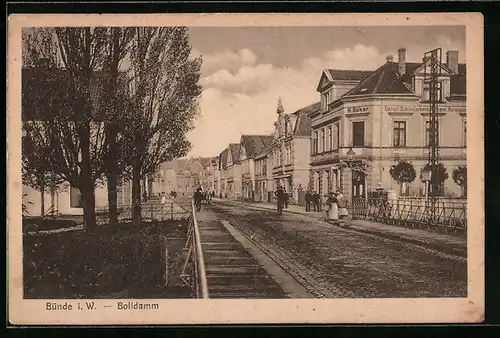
(172, 210)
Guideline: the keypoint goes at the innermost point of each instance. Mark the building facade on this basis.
(290, 151)
(250, 146)
(361, 132)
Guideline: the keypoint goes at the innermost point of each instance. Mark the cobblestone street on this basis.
(335, 262)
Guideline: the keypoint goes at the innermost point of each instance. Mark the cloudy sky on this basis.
(245, 70)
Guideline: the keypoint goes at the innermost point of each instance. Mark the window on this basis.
(465, 133)
(322, 141)
(428, 133)
(329, 138)
(399, 134)
(427, 89)
(358, 134)
(315, 142)
(325, 100)
(75, 198)
(336, 138)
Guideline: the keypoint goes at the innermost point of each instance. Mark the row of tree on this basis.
(104, 104)
(403, 172)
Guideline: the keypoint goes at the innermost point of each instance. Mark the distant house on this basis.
(182, 175)
(250, 146)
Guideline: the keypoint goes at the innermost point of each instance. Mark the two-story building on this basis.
(382, 119)
(291, 149)
(250, 146)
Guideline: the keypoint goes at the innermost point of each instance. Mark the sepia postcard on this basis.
(245, 168)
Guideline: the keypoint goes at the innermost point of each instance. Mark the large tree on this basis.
(113, 100)
(71, 122)
(163, 103)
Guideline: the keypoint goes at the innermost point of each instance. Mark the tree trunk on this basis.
(136, 194)
(112, 180)
(87, 184)
(42, 201)
(88, 200)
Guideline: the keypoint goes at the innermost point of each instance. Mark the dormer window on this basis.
(325, 100)
(427, 89)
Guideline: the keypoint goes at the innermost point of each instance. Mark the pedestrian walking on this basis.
(332, 212)
(198, 196)
(286, 198)
(307, 198)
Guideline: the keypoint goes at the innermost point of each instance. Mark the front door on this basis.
(358, 184)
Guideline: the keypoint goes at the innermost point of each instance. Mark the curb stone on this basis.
(450, 250)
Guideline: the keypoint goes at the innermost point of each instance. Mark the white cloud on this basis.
(228, 59)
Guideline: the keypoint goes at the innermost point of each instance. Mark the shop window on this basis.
(399, 134)
(75, 198)
(428, 133)
(358, 134)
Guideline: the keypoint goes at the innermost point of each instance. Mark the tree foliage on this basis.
(163, 100)
(439, 173)
(403, 172)
(95, 121)
(459, 176)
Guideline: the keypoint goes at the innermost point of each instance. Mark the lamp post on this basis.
(350, 157)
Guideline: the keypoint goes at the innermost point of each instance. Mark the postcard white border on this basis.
(442, 310)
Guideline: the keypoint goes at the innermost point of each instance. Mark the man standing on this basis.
(279, 199)
(307, 197)
(316, 201)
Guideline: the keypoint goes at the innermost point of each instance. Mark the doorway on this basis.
(358, 184)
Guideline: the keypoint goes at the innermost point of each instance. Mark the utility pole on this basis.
(432, 72)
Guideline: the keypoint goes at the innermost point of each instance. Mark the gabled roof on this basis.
(303, 123)
(254, 144)
(343, 74)
(234, 148)
(223, 158)
(386, 80)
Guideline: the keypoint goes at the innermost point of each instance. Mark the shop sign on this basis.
(354, 110)
(423, 109)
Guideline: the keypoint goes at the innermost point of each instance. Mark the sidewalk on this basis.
(448, 244)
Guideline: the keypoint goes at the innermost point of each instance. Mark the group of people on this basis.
(336, 204)
(282, 199)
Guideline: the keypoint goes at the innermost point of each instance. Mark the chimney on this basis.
(452, 60)
(402, 61)
(389, 58)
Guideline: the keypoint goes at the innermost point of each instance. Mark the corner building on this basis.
(383, 118)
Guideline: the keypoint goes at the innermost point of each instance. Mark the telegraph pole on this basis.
(432, 72)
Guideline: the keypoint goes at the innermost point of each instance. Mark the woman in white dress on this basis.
(342, 203)
(332, 213)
